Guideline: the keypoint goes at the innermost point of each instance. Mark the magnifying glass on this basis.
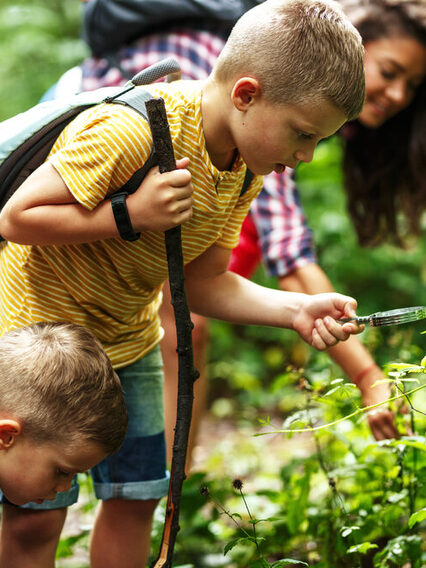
(391, 317)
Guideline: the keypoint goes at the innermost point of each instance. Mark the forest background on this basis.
(323, 496)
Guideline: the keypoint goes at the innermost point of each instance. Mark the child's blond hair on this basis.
(56, 379)
(301, 51)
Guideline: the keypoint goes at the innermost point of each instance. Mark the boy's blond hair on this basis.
(57, 381)
(301, 51)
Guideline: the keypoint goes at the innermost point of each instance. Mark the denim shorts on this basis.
(138, 470)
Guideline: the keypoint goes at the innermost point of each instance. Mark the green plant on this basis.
(247, 536)
(40, 41)
(352, 502)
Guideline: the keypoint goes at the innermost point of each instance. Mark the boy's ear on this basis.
(9, 430)
(245, 91)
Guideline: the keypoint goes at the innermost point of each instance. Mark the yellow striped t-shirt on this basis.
(113, 286)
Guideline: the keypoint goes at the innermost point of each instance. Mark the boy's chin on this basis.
(279, 168)
(19, 501)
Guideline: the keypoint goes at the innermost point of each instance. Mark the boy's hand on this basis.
(163, 200)
(316, 322)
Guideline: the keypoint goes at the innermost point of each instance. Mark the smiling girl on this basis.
(385, 150)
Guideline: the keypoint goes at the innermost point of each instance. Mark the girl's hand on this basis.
(381, 419)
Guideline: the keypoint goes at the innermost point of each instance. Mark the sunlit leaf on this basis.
(417, 517)
(287, 561)
(346, 531)
(362, 548)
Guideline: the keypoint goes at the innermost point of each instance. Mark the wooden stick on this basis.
(187, 374)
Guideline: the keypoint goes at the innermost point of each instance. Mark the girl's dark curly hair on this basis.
(384, 167)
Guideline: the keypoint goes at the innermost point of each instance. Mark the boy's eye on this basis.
(304, 135)
(63, 473)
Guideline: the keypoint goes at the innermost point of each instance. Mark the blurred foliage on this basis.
(337, 499)
(39, 41)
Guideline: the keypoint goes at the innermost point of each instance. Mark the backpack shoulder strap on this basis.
(135, 96)
(136, 99)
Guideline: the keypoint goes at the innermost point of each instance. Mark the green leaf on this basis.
(341, 391)
(266, 422)
(398, 550)
(417, 517)
(362, 548)
(287, 561)
(231, 544)
(346, 531)
(296, 508)
(337, 381)
(400, 366)
(418, 442)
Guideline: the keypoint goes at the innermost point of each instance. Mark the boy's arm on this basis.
(43, 211)
(215, 292)
(351, 356)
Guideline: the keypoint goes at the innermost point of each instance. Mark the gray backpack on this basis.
(27, 138)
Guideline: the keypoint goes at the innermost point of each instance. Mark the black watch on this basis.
(121, 216)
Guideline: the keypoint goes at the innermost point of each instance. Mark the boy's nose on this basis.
(304, 155)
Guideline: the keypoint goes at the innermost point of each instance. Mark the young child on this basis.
(290, 74)
(62, 409)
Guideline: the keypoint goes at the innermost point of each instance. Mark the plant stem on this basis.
(351, 415)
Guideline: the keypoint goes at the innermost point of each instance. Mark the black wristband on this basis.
(121, 216)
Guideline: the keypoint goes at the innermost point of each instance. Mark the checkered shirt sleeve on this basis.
(285, 238)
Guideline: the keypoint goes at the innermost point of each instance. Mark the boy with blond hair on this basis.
(291, 74)
(62, 409)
